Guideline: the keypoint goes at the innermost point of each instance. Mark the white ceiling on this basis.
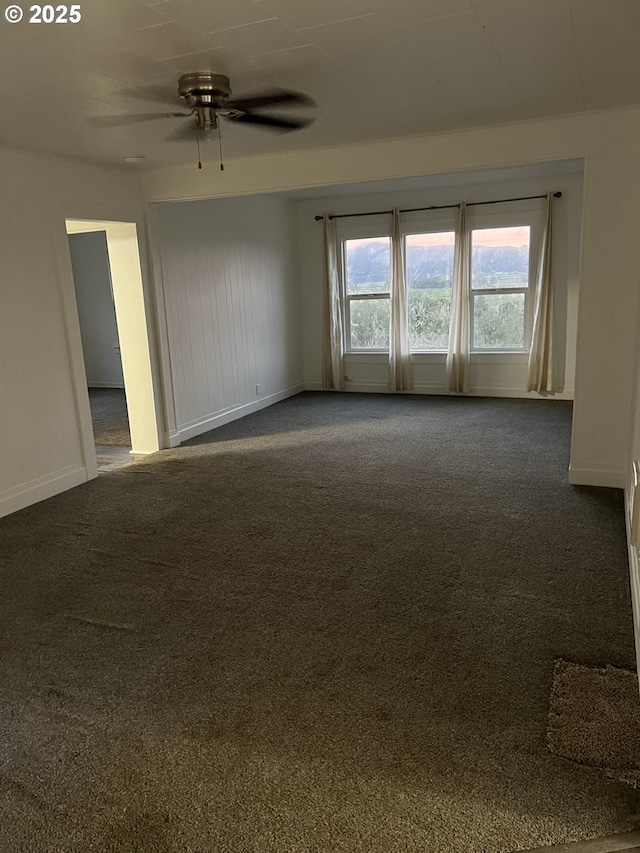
(376, 68)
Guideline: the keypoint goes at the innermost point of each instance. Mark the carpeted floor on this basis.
(330, 627)
(109, 417)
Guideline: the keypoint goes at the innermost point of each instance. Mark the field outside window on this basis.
(499, 287)
(367, 265)
(429, 273)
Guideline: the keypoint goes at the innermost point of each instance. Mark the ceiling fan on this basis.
(208, 98)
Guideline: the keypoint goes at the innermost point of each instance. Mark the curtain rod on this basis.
(436, 207)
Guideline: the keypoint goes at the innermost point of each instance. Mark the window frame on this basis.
(430, 224)
(520, 215)
(498, 215)
(370, 227)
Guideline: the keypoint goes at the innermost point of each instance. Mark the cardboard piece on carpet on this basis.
(594, 719)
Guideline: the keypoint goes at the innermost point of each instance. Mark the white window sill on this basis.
(367, 357)
(501, 357)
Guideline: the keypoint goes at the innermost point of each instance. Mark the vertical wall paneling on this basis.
(229, 278)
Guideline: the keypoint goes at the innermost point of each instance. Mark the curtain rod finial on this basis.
(557, 195)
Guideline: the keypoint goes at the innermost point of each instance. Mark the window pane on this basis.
(498, 321)
(500, 257)
(429, 260)
(370, 320)
(368, 264)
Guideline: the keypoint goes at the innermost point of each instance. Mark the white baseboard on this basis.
(365, 387)
(106, 385)
(595, 476)
(377, 387)
(191, 430)
(19, 497)
(381, 388)
(506, 391)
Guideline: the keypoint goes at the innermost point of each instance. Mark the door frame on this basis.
(149, 368)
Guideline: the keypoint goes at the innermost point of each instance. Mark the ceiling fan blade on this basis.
(157, 93)
(272, 121)
(119, 121)
(185, 132)
(190, 132)
(271, 99)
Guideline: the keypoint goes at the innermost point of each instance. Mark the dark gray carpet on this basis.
(330, 626)
(109, 417)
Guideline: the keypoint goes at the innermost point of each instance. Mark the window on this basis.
(500, 290)
(429, 273)
(367, 266)
(500, 287)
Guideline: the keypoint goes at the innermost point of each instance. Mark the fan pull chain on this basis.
(198, 144)
(220, 145)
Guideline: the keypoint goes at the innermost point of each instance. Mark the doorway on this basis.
(100, 344)
(115, 347)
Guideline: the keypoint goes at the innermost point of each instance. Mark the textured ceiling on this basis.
(376, 68)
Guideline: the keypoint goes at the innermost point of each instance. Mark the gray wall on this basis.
(92, 278)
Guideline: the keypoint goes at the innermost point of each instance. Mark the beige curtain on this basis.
(332, 338)
(457, 374)
(400, 378)
(542, 370)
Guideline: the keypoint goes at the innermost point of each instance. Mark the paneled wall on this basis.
(227, 269)
(491, 374)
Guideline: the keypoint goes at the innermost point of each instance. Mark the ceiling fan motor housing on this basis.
(204, 92)
(204, 89)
